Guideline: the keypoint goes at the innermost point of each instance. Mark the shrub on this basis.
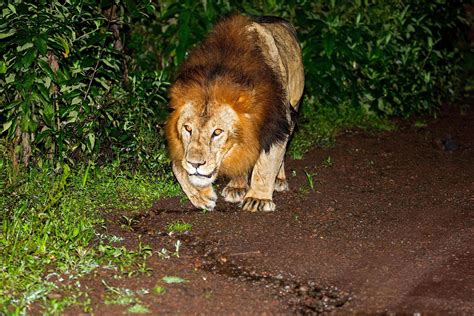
(65, 88)
(387, 57)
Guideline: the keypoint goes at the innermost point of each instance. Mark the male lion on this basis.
(232, 102)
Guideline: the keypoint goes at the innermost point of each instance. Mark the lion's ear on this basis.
(175, 96)
(244, 101)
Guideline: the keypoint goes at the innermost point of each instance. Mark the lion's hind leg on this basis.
(262, 184)
(236, 189)
(280, 182)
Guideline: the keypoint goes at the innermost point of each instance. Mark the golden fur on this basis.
(230, 86)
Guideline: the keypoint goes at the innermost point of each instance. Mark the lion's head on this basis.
(209, 133)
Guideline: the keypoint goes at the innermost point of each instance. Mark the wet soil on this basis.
(377, 223)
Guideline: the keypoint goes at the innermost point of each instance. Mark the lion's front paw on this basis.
(206, 199)
(281, 185)
(252, 204)
(234, 195)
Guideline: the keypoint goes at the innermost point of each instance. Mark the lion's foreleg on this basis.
(236, 189)
(262, 183)
(203, 198)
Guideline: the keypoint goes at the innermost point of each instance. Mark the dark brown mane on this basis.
(229, 59)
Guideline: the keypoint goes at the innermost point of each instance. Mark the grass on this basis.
(122, 296)
(310, 179)
(48, 227)
(178, 227)
(159, 290)
(328, 162)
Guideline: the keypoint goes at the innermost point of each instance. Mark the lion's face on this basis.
(206, 138)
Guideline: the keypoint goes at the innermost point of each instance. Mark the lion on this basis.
(233, 105)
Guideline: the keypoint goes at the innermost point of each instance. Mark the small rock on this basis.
(449, 144)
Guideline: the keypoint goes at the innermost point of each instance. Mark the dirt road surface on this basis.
(377, 223)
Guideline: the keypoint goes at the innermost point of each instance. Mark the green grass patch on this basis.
(48, 228)
(178, 227)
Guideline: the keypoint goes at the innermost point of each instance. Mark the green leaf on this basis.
(29, 57)
(46, 69)
(6, 126)
(8, 34)
(27, 82)
(138, 309)
(150, 8)
(12, 7)
(10, 78)
(76, 100)
(75, 232)
(159, 290)
(24, 47)
(430, 42)
(72, 117)
(103, 83)
(3, 67)
(61, 40)
(48, 114)
(91, 138)
(43, 89)
(328, 43)
(173, 279)
(113, 66)
(27, 124)
(41, 44)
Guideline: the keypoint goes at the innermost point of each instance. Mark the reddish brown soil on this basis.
(388, 227)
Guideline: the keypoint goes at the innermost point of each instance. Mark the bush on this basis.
(66, 90)
(387, 57)
(85, 80)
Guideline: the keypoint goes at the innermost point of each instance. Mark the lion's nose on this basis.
(196, 164)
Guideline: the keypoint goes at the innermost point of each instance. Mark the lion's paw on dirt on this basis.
(205, 202)
(281, 185)
(233, 195)
(252, 204)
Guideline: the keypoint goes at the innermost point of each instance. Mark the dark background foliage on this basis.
(86, 80)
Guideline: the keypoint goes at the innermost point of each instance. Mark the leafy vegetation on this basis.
(49, 218)
(122, 296)
(178, 227)
(83, 102)
(84, 80)
(173, 279)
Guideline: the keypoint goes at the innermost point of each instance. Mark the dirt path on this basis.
(384, 224)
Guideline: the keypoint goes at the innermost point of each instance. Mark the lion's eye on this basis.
(217, 132)
(188, 128)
